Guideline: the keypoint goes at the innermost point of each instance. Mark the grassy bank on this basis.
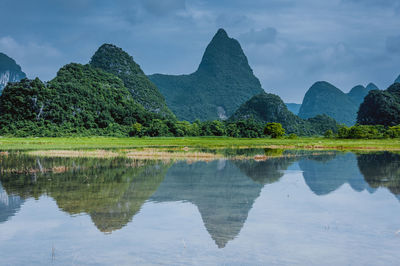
(206, 142)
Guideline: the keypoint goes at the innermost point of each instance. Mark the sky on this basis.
(290, 44)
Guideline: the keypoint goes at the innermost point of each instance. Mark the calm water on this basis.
(305, 209)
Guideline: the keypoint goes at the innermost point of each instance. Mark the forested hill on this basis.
(222, 82)
(267, 107)
(324, 98)
(114, 60)
(10, 71)
(381, 107)
(79, 99)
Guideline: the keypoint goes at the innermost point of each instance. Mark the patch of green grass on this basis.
(200, 142)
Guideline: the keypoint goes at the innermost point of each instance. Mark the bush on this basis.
(274, 130)
(328, 134)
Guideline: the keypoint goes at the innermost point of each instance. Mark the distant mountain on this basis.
(222, 82)
(114, 60)
(371, 86)
(324, 98)
(397, 80)
(9, 71)
(293, 107)
(381, 107)
(267, 107)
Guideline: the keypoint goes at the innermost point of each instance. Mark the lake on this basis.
(296, 208)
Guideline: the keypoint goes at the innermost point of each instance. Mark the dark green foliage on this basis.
(223, 81)
(274, 130)
(79, 99)
(10, 71)
(322, 123)
(367, 132)
(328, 134)
(116, 61)
(266, 108)
(381, 107)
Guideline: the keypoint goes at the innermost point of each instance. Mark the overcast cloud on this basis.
(290, 44)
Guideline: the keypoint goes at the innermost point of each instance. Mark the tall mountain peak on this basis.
(10, 71)
(224, 54)
(223, 81)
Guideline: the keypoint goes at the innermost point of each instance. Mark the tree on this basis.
(275, 130)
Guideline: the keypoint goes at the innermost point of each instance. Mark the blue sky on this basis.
(290, 44)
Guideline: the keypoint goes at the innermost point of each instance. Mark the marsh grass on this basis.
(81, 143)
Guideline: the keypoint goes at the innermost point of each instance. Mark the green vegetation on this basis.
(368, 132)
(10, 71)
(274, 130)
(381, 107)
(114, 60)
(198, 142)
(80, 100)
(223, 81)
(266, 108)
(324, 98)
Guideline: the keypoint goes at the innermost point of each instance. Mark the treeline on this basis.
(365, 132)
(149, 128)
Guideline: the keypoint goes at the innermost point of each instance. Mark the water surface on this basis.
(305, 208)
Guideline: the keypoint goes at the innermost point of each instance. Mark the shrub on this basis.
(274, 130)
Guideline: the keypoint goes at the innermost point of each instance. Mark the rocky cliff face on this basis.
(10, 71)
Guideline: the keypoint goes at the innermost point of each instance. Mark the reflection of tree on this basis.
(107, 189)
(325, 173)
(221, 190)
(381, 170)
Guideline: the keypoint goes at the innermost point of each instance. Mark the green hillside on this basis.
(80, 98)
(116, 61)
(381, 107)
(266, 107)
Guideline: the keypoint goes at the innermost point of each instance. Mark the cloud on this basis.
(35, 59)
(393, 44)
(164, 7)
(266, 35)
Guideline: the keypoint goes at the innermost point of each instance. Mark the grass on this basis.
(73, 143)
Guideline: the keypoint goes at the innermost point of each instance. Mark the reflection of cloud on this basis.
(267, 35)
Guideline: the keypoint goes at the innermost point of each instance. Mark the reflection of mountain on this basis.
(326, 173)
(381, 170)
(108, 190)
(221, 191)
(265, 172)
(9, 205)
